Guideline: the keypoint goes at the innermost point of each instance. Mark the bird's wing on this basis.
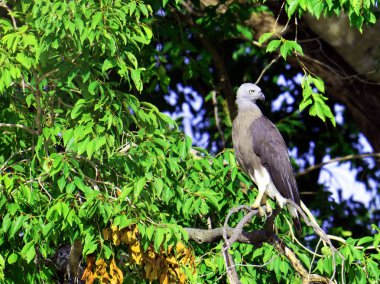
(271, 148)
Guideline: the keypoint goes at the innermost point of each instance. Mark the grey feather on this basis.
(269, 145)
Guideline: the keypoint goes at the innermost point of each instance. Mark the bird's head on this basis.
(249, 91)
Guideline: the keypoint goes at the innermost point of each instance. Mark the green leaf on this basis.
(293, 4)
(77, 109)
(24, 60)
(132, 58)
(107, 64)
(61, 183)
(304, 259)
(304, 104)
(12, 258)
(367, 239)
(125, 222)
(158, 238)
(273, 45)
(245, 31)
(96, 19)
(295, 46)
(136, 77)
(16, 225)
(90, 148)
(139, 187)
(264, 37)
(319, 84)
(28, 251)
(93, 87)
(47, 229)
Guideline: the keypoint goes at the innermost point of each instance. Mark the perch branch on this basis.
(257, 238)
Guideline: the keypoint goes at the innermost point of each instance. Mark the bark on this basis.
(348, 63)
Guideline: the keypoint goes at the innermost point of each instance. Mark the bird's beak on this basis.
(261, 96)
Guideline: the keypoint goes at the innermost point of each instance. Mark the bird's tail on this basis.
(296, 220)
(297, 225)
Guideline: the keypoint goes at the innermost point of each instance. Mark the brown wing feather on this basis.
(271, 148)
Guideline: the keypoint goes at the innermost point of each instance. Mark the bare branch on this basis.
(31, 131)
(338, 159)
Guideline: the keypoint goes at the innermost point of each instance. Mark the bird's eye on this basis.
(251, 91)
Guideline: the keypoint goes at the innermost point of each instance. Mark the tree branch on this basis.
(72, 268)
(220, 68)
(297, 265)
(10, 12)
(257, 238)
(31, 131)
(217, 118)
(39, 107)
(336, 160)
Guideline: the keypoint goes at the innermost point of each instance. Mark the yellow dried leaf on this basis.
(105, 278)
(182, 278)
(115, 273)
(171, 260)
(164, 278)
(148, 270)
(101, 268)
(127, 237)
(88, 274)
(136, 248)
(106, 234)
(115, 237)
(180, 247)
(137, 258)
(150, 254)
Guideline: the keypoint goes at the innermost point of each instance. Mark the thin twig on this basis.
(339, 239)
(278, 16)
(338, 159)
(42, 186)
(299, 243)
(267, 67)
(11, 156)
(10, 12)
(311, 222)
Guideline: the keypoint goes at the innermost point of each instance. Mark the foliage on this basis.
(84, 157)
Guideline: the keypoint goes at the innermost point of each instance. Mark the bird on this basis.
(261, 152)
